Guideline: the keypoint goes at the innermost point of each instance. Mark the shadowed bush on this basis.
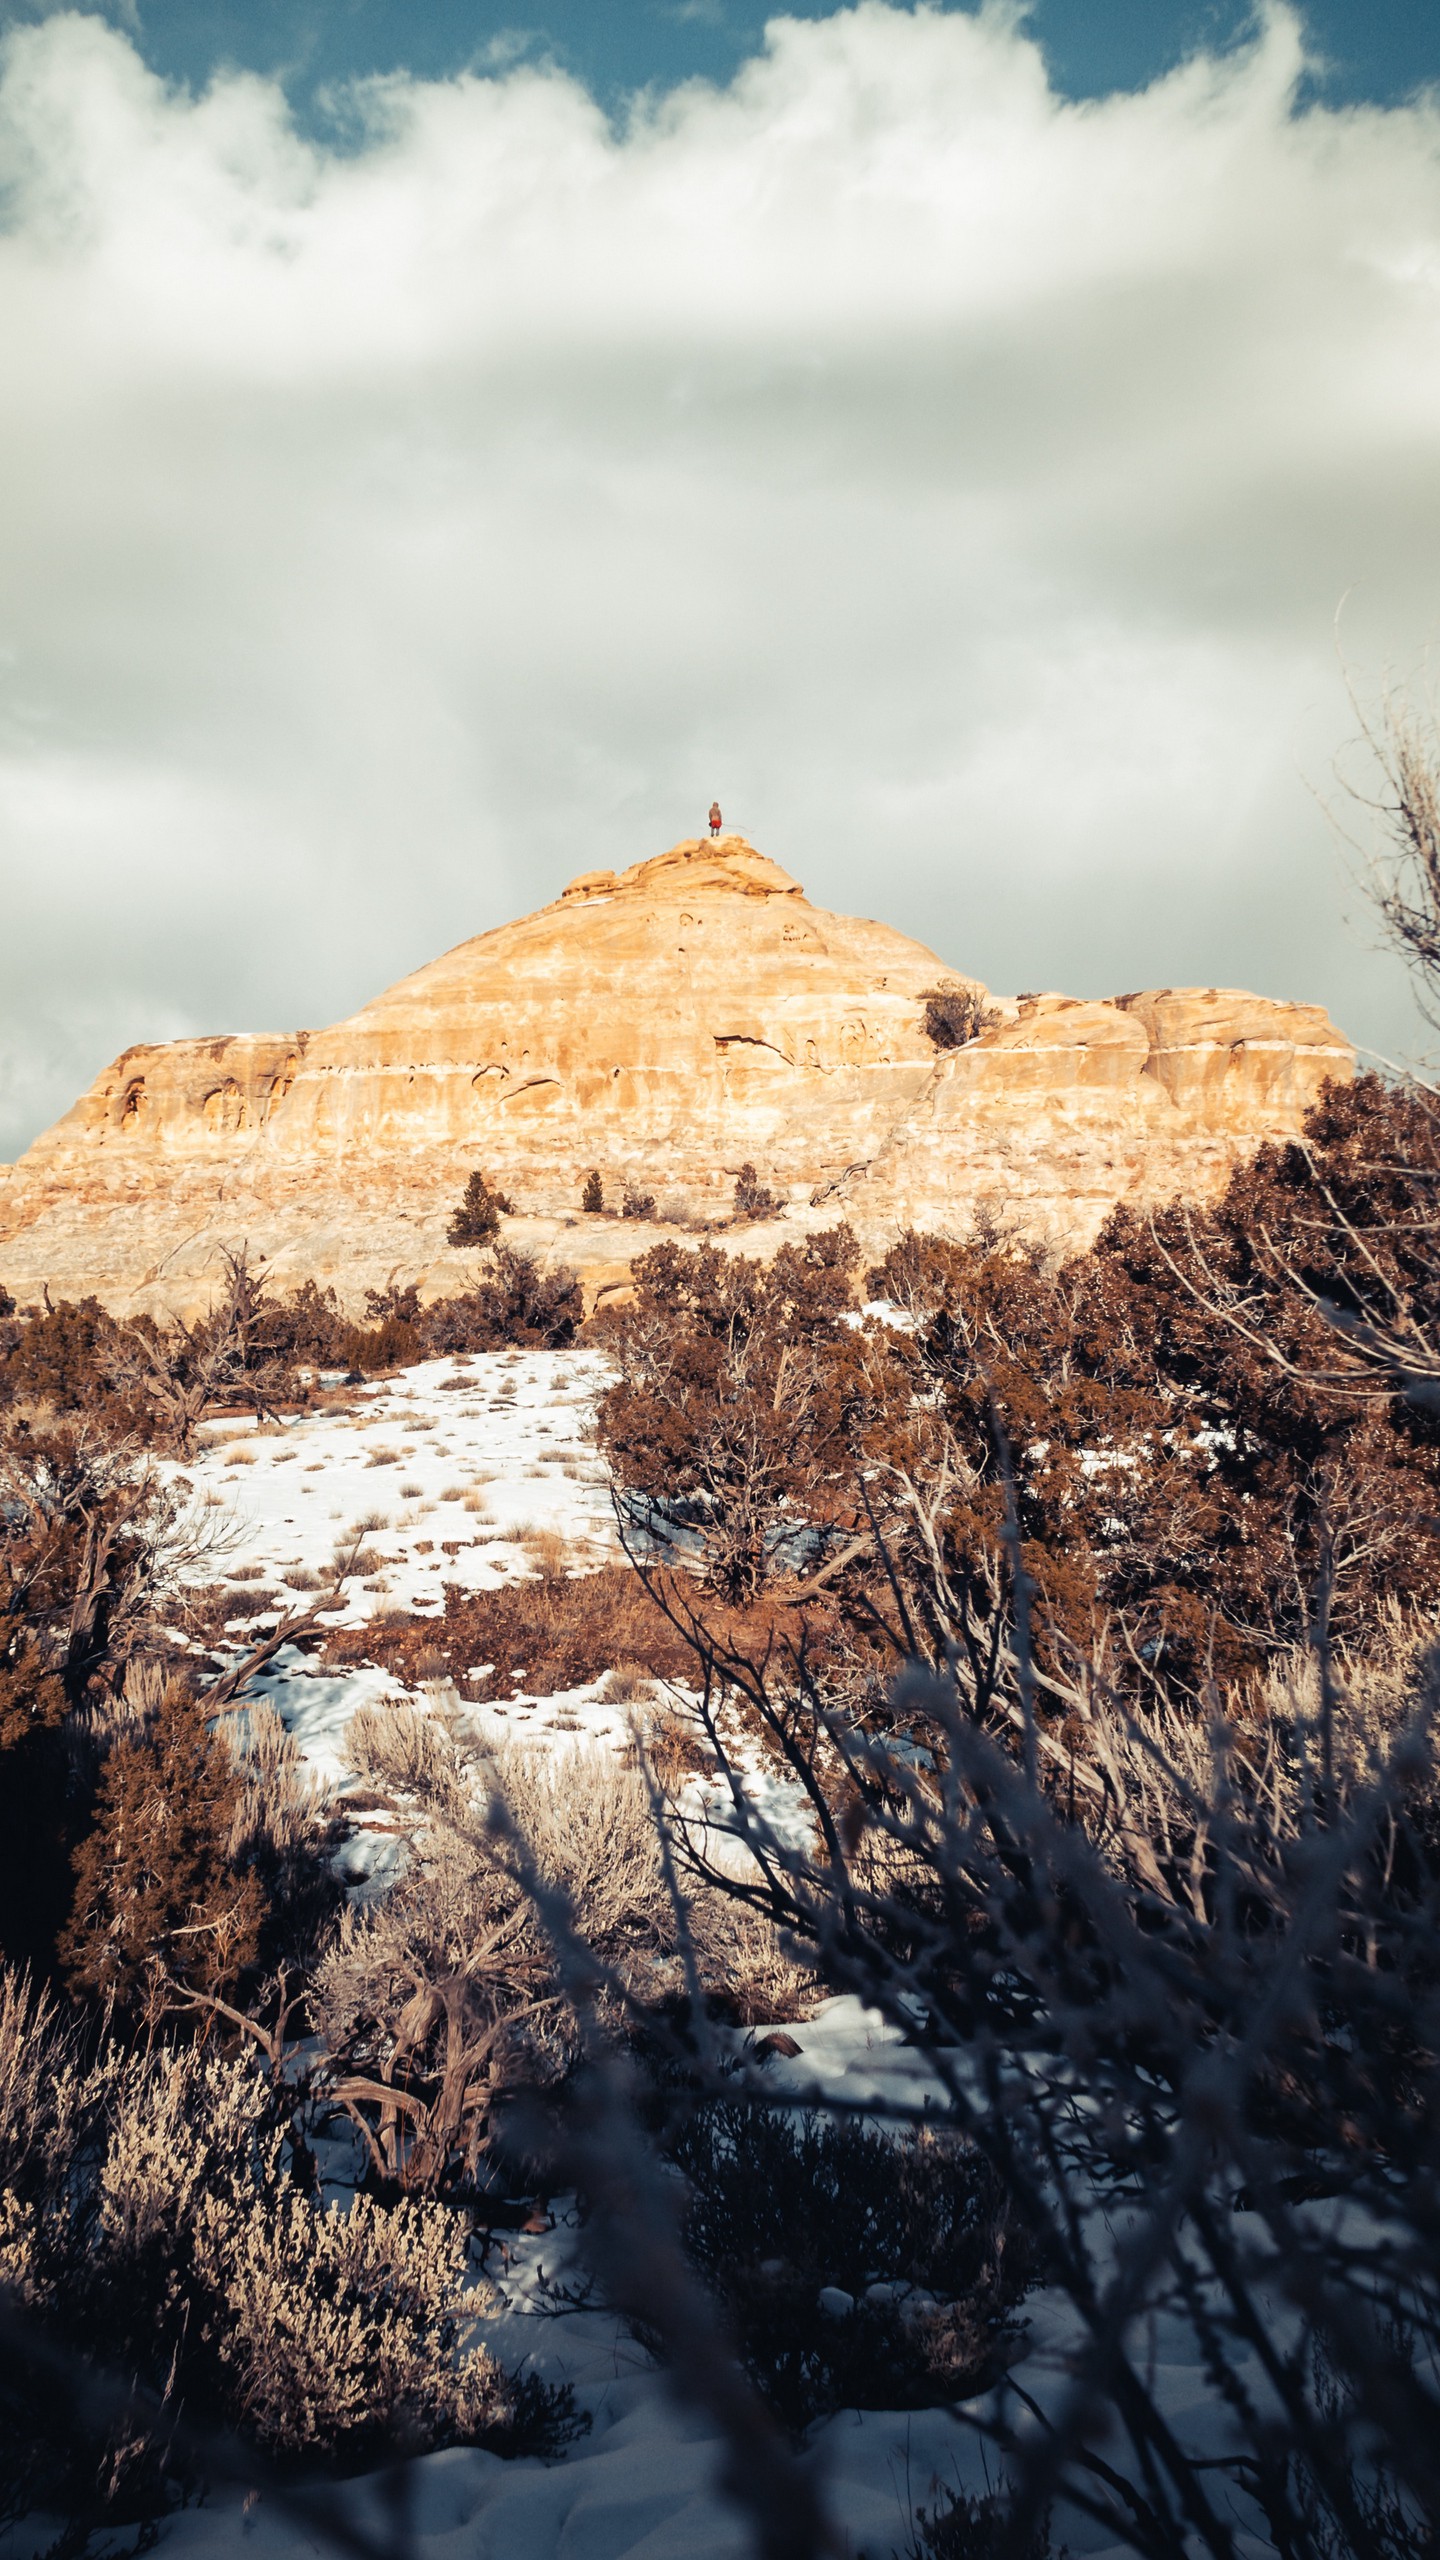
(910, 2238)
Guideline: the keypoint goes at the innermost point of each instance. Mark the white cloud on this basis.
(959, 481)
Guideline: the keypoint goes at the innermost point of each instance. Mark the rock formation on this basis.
(666, 1024)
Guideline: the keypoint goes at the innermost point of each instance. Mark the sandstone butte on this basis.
(665, 1024)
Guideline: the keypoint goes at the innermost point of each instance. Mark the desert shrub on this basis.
(1169, 1476)
(93, 1546)
(752, 1200)
(956, 1015)
(307, 1330)
(1191, 1450)
(592, 1197)
(728, 1421)
(1182, 1993)
(161, 1897)
(153, 1380)
(68, 1360)
(476, 1220)
(445, 1999)
(854, 2269)
(637, 1204)
(561, 1632)
(149, 2218)
(516, 1302)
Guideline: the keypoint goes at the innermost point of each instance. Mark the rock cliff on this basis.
(666, 1024)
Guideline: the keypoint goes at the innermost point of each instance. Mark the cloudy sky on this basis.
(438, 452)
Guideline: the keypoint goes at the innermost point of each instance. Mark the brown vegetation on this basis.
(954, 1016)
(1176, 1425)
(558, 1631)
(257, 1350)
(477, 1219)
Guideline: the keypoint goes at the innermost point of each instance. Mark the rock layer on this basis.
(665, 1024)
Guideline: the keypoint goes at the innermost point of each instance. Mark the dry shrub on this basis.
(447, 1991)
(566, 1632)
(148, 2216)
(675, 1748)
(562, 1631)
(911, 2238)
(956, 1015)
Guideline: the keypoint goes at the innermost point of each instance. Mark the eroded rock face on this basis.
(666, 1024)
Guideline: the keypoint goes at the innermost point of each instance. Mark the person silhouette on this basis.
(715, 820)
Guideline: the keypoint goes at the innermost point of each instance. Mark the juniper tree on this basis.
(477, 1219)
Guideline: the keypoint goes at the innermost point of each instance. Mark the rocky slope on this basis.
(665, 1024)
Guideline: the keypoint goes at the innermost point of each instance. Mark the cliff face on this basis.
(666, 1024)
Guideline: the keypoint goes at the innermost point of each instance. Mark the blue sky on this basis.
(1379, 50)
(951, 459)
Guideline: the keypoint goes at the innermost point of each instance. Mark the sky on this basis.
(441, 450)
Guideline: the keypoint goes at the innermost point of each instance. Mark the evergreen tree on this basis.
(477, 1219)
(592, 1198)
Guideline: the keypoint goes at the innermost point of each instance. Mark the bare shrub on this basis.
(1403, 862)
(1162, 1969)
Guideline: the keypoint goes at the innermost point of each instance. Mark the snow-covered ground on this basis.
(642, 2484)
(468, 1470)
(452, 1472)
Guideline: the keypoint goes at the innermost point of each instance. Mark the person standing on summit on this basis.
(714, 817)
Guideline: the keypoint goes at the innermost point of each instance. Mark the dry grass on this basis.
(628, 1685)
(548, 1551)
(251, 1604)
